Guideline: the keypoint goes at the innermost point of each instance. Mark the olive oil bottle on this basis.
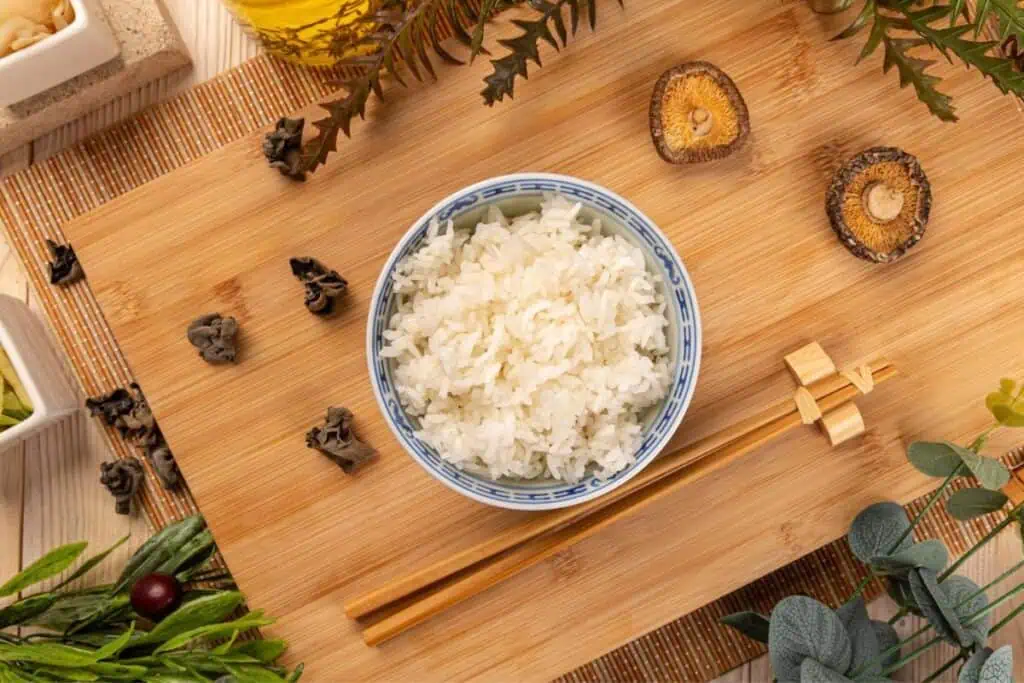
(310, 32)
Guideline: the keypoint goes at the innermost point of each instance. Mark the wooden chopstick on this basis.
(475, 569)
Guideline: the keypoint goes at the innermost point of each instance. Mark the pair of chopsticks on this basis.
(405, 602)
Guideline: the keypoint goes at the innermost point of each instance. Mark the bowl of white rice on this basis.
(534, 341)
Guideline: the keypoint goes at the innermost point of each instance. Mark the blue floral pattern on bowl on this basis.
(619, 216)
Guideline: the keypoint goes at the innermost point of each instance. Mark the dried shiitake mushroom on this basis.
(697, 114)
(879, 203)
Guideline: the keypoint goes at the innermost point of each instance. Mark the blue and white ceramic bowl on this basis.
(518, 194)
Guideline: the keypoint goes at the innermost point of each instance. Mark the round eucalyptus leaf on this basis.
(887, 639)
(863, 640)
(898, 588)
(958, 589)
(937, 608)
(971, 670)
(750, 624)
(967, 504)
(875, 530)
(989, 472)
(998, 668)
(812, 671)
(802, 628)
(931, 554)
(936, 459)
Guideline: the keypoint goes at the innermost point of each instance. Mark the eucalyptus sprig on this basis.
(93, 634)
(903, 26)
(811, 643)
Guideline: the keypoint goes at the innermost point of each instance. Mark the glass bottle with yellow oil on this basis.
(310, 32)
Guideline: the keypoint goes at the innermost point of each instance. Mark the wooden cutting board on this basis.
(300, 536)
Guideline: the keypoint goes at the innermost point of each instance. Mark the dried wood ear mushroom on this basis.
(323, 285)
(879, 203)
(64, 266)
(283, 147)
(122, 479)
(215, 337)
(697, 114)
(336, 441)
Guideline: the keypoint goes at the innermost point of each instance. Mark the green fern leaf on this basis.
(861, 20)
(913, 71)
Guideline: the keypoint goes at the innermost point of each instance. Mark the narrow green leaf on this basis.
(112, 648)
(49, 654)
(215, 630)
(204, 611)
(158, 550)
(53, 672)
(254, 674)
(225, 647)
(50, 564)
(267, 651)
(296, 674)
(970, 503)
(23, 611)
(88, 565)
(861, 20)
(750, 624)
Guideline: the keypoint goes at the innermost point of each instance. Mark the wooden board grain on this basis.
(300, 536)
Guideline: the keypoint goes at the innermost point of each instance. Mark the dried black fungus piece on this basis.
(127, 411)
(122, 479)
(166, 468)
(64, 268)
(214, 336)
(323, 285)
(283, 147)
(336, 441)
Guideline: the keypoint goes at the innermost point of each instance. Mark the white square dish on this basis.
(83, 45)
(35, 361)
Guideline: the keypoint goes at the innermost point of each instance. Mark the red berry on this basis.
(154, 596)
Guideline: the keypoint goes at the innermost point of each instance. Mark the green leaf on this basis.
(112, 648)
(254, 674)
(23, 611)
(937, 607)
(989, 472)
(268, 651)
(913, 71)
(875, 530)
(1006, 404)
(931, 554)
(967, 599)
(887, 639)
(159, 549)
(203, 611)
(219, 630)
(110, 611)
(936, 459)
(65, 674)
(296, 674)
(812, 671)
(971, 671)
(750, 624)
(866, 13)
(89, 564)
(863, 639)
(50, 564)
(998, 668)
(801, 627)
(48, 654)
(970, 503)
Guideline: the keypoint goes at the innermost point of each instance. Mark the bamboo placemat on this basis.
(35, 203)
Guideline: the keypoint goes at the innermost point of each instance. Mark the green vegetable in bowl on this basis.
(17, 407)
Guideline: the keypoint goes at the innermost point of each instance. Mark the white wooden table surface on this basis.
(49, 489)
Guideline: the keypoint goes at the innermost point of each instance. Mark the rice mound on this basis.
(529, 348)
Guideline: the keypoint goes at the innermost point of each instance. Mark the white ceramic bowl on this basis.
(27, 344)
(73, 50)
(517, 194)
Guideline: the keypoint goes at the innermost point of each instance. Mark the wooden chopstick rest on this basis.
(843, 423)
(809, 364)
